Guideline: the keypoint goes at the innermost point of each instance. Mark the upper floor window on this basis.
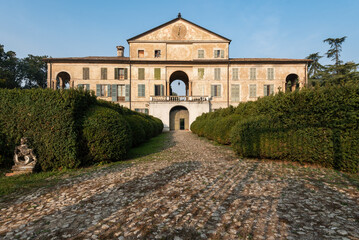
(218, 53)
(215, 90)
(200, 53)
(268, 89)
(235, 93)
(234, 73)
(217, 74)
(85, 73)
(121, 73)
(200, 73)
(252, 90)
(141, 54)
(159, 90)
(252, 73)
(270, 73)
(141, 90)
(103, 73)
(157, 73)
(157, 53)
(141, 74)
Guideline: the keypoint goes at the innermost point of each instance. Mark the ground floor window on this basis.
(216, 90)
(142, 110)
(235, 92)
(101, 90)
(268, 89)
(252, 90)
(159, 90)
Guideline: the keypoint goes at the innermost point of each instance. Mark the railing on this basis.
(179, 98)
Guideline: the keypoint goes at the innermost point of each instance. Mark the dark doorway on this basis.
(291, 83)
(181, 123)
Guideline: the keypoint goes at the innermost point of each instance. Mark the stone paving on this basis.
(191, 190)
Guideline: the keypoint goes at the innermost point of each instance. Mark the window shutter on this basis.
(222, 53)
(114, 92)
(109, 90)
(219, 90)
(252, 90)
(141, 73)
(235, 92)
(212, 90)
(157, 73)
(214, 54)
(117, 73)
(85, 73)
(103, 73)
(87, 87)
(98, 90)
(200, 73)
(143, 90)
(235, 74)
(271, 90)
(265, 88)
(127, 93)
(217, 74)
(125, 73)
(162, 90)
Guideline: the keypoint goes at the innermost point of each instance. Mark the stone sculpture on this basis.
(24, 159)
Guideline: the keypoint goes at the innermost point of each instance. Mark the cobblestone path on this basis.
(191, 190)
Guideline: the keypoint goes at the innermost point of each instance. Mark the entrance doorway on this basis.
(179, 118)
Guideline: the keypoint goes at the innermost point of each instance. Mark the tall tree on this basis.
(314, 67)
(335, 48)
(9, 77)
(33, 71)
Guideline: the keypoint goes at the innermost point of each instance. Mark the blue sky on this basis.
(277, 28)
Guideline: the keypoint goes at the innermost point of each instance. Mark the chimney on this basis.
(120, 51)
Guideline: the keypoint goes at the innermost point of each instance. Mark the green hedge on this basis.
(311, 125)
(107, 134)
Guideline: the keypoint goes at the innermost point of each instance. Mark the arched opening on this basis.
(179, 118)
(291, 82)
(179, 84)
(63, 80)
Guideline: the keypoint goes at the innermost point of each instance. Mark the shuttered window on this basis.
(200, 53)
(235, 97)
(141, 90)
(268, 89)
(121, 73)
(215, 90)
(85, 73)
(252, 73)
(103, 73)
(270, 73)
(159, 90)
(101, 90)
(141, 74)
(252, 90)
(218, 53)
(217, 74)
(142, 110)
(234, 73)
(157, 73)
(200, 73)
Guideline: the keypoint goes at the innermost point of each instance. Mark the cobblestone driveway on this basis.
(192, 190)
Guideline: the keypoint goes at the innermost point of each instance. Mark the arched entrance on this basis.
(179, 118)
(291, 82)
(63, 80)
(179, 84)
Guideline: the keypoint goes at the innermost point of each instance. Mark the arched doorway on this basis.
(63, 80)
(291, 82)
(179, 118)
(179, 84)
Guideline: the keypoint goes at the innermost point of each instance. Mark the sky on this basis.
(257, 28)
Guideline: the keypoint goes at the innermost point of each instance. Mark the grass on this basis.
(24, 183)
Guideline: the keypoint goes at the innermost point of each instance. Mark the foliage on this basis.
(318, 125)
(335, 48)
(9, 77)
(107, 134)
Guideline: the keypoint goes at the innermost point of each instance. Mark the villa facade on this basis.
(177, 50)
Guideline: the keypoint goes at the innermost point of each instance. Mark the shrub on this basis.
(107, 134)
(136, 124)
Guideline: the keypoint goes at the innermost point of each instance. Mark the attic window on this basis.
(141, 53)
(218, 53)
(157, 53)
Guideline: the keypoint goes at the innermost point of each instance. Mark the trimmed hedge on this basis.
(107, 134)
(308, 126)
(70, 127)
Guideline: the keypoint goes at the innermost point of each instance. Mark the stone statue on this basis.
(24, 159)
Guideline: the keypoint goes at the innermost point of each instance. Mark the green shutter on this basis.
(271, 90)
(87, 87)
(219, 90)
(98, 90)
(214, 53)
(157, 73)
(114, 92)
(141, 90)
(162, 90)
(125, 73)
(200, 73)
(127, 93)
(222, 53)
(212, 90)
(116, 73)
(109, 90)
(141, 73)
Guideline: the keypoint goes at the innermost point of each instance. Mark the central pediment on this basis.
(178, 29)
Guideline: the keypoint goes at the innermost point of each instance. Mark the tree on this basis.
(9, 77)
(335, 48)
(33, 71)
(314, 67)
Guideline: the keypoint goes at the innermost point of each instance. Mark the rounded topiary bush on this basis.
(106, 134)
(137, 126)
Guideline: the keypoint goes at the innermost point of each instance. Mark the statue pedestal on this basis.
(17, 170)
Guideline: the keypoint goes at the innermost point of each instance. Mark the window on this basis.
(85, 87)
(217, 74)
(157, 53)
(252, 73)
(216, 90)
(268, 89)
(121, 90)
(159, 90)
(121, 73)
(85, 73)
(218, 54)
(101, 90)
(141, 74)
(103, 73)
(234, 73)
(142, 110)
(141, 90)
(157, 73)
(235, 92)
(200, 53)
(200, 73)
(141, 53)
(270, 73)
(119, 93)
(252, 90)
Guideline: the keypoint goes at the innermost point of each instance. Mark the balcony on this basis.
(179, 98)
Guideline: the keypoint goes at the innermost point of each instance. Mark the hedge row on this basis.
(69, 128)
(309, 126)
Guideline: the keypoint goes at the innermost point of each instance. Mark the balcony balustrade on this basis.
(179, 98)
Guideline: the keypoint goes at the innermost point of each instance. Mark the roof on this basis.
(88, 59)
(264, 60)
(172, 21)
